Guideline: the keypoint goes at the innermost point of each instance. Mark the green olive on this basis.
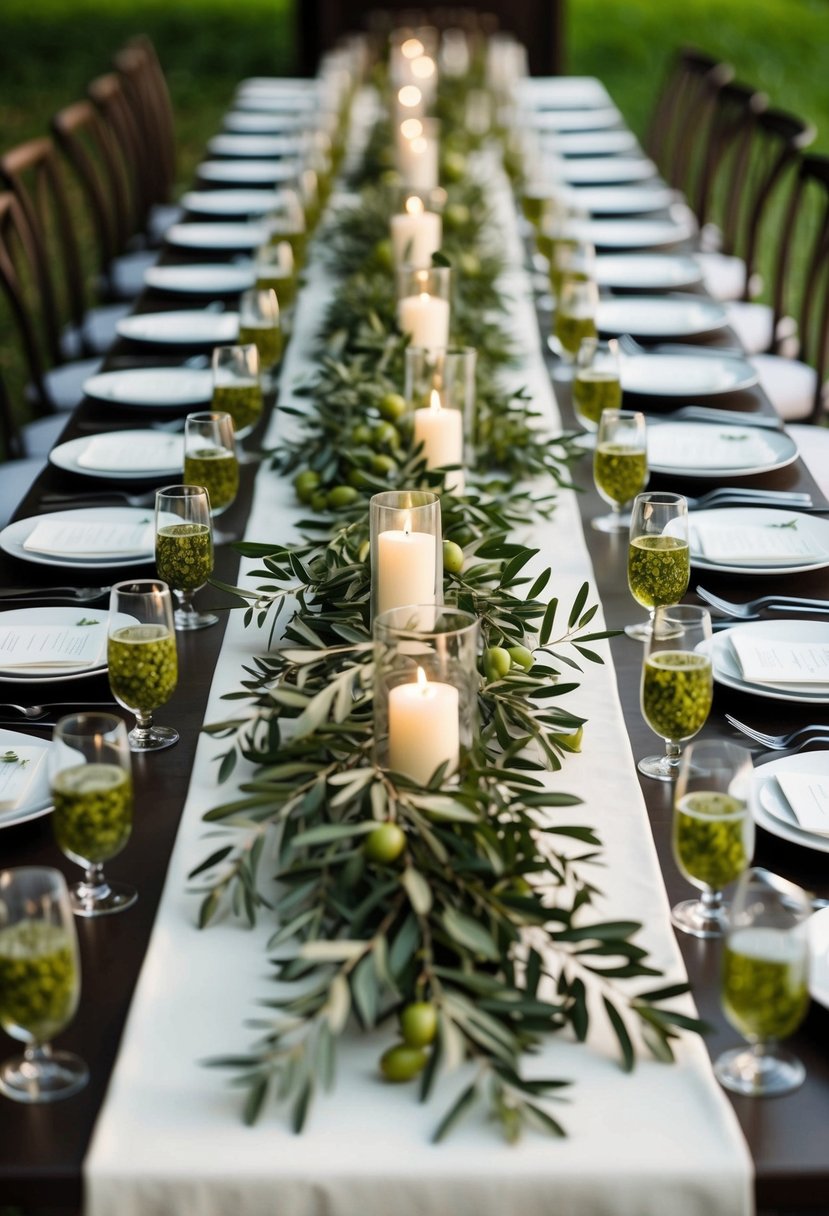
(456, 215)
(385, 435)
(469, 264)
(384, 254)
(402, 1063)
(419, 1023)
(496, 662)
(305, 483)
(385, 843)
(452, 557)
(454, 166)
(361, 435)
(358, 479)
(341, 496)
(319, 501)
(382, 464)
(392, 406)
(521, 657)
(363, 551)
(571, 741)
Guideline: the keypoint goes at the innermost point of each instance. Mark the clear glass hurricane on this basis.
(40, 984)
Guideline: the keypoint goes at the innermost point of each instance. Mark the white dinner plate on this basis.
(246, 123)
(647, 271)
(38, 800)
(217, 236)
(170, 450)
(14, 535)
(153, 387)
(189, 327)
(249, 172)
(593, 170)
(606, 118)
(220, 278)
(771, 811)
(233, 144)
(701, 375)
(810, 526)
(624, 200)
(57, 616)
(819, 951)
(564, 93)
(638, 234)
(661, 316)
(675, 448)
(727, 672)
(228, 202)
(590, 143)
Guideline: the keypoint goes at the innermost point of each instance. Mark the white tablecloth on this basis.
(660, 1142)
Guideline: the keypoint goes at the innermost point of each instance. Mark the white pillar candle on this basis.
(426, 319)
(424, 728)
(416, 235)
(419, 162)
(440, 431)
(405, 571)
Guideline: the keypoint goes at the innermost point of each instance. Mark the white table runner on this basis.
(660, 1142)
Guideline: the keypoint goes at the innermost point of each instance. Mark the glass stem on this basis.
(143, 724)
(712, 901)
(35, 1056)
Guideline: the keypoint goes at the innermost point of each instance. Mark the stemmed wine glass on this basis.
(677, 685)
(184, 549)
(237, 389)
(597, 385)
(620, 464)
(210, 460)
(713, 830)
(142, 658)
(259, 323)
(658, 556)
(575, 315)
(765, 983)
(91, 780)
(286, 222)
(274, 269)
(40, 984)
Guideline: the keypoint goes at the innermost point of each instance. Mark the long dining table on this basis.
(45, 1149)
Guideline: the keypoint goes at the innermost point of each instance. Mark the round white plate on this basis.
(264, 124)
(577, 120)
(248, 172)
(584, 170)
(727, 671)
(564, 93)
(590, 143)
(232, 144)
(263, 101)
(170, 451)
(638, 234)
(228, 202)
(154, 387)
(819, 950)
(660, 316)
(57, 616)
(647, 271)
(220, 278)
(38, 799)
(217, 236)
(772, 812)
(701, 375)
(624, 200)
(673, 445)
(811, 526)
(14, 535)
(188, 327)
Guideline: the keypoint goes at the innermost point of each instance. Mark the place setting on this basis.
(83, 538)
(624, 200)
(127, 455)
(230, 236)
(200, 279)
(51, 644)
(186, 327)
(790, 799)
(655, 317)
(781, 660)
(716, 450)
(642, 234)
(156, 388)
(248, 172)
(229, 202)
(254, 146)
(758, 540)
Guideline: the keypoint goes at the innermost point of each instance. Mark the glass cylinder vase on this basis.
(449, 373)
(406, 550)
(426, 690)
(423, 304)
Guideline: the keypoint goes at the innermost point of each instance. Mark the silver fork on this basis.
(53, 499)
(750, 610)
(730, 496)
(69, 595)
(779, 743)
(33, 713)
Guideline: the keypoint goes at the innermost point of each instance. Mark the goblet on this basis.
(765, 983)
(210, 460)
(677, 685)
(597, 386)
(658, 554)
(575, 316)
(142, 658)
(184, 549)
(286, 222)
(259, 323)
(91, 780)
(274, 269)
(572, 257)
(39, 984)
(237, 389)
(713, 830)
(620, 464)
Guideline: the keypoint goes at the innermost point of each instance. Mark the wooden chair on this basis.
(55, 383)
(146, 94)
(538, 24)
(676, 138)
(18, 467)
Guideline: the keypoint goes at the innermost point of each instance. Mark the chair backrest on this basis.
(147, 95)
(683, 108)
(11, 440)
(720, 185)
(34, 173)
(20, 280)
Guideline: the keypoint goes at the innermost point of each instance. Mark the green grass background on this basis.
(50, 49)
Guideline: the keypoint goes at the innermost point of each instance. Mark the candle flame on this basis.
(424, 297)
(423, 67)
(419, 145)
(412, 48)
(422, 682)
(414, 205)
(410, 96)
(435, 403)
(410, 128)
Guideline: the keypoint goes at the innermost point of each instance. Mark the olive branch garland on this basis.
(461, 906)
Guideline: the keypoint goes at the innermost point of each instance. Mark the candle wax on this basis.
(406, 569)
(424, 729)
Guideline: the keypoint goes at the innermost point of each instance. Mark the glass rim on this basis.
(795, 898)
(51, 871)
(466, 351)
(141, 586)
(660, 497)
(682, 612)
(624, 416)
(383, 622)
(392, 499)
(188, 490)
(92, 715)
(208, 416)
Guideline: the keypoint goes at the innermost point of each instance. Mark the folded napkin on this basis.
(18, 769)
(707, 447)
(140, 452)
(808, 797)
(774, 661)
(91, 538)
(753, 544)
(30, 647)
